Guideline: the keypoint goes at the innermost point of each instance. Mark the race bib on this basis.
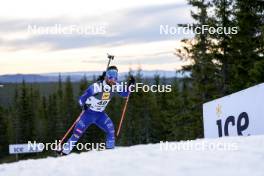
(98, 105)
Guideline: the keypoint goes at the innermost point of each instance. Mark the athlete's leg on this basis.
(106, 124)
(85, 121)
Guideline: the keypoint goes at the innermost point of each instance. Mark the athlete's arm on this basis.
(122, 91)
(125, 93)
(88, 93)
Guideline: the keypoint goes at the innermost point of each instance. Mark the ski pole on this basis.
(123, 115)
(70, 129)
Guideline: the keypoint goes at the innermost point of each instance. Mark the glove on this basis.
(131, 80)
(101, 77)
(85, 107)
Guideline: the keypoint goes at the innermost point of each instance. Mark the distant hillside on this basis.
(77, 76)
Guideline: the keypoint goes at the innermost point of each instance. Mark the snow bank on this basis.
(244, 157)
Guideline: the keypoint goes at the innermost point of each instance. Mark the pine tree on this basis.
(158, 121)
(203, 84)
(15, 120)
(223, 17)
(248, 43)
(83, 85)
(132, 126)
(25, 114)
(69, 103)
(53, 130)
(34, 106)
(59, 111)
(42, 120)
(3, 133)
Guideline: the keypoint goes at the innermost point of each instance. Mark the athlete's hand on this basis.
(84, 107)
(101, 77)
(131, 80)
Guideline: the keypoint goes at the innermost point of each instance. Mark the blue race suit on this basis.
(96, 98)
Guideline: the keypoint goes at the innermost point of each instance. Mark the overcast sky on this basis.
(128, 29)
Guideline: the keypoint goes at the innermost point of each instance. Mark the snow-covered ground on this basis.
(211, 157)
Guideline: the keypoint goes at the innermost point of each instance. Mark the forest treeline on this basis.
(151, 117)
(220, 64)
